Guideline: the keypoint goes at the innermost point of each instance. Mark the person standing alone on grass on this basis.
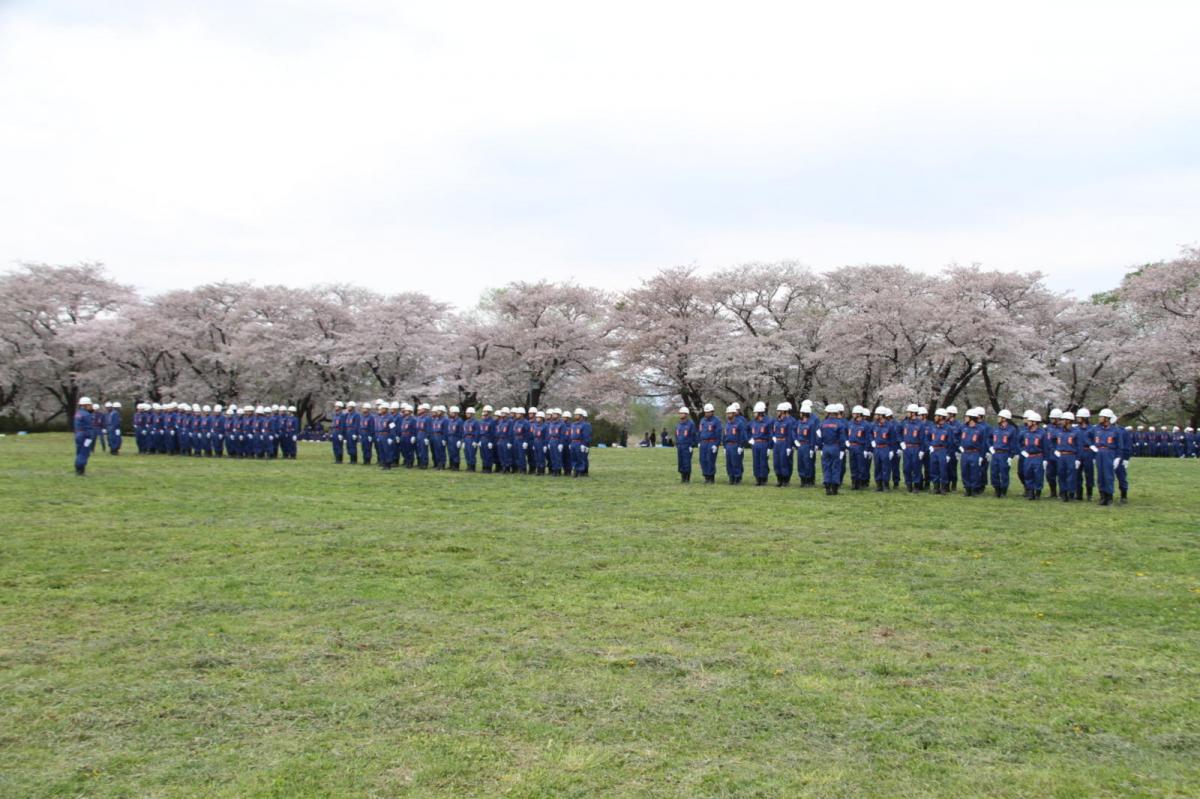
(84, 425)
(685, 440)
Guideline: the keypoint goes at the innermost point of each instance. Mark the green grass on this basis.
(176, 627)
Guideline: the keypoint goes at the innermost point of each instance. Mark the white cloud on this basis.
(447, 148)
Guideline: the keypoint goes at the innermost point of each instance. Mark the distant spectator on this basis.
(647, 440)
(650, 435)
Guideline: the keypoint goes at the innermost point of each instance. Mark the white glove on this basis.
(893, 454)
(920, 456)
(524, 445)
(583, 448)
(293, 438)
(903, 445)
(796, 444)
(87, 442)
(991, 450)
(818, 432)
(789, 452)
(490, 445)
(872, 443)
(714, 448)
(774, 440)
(560, 447)
(412, 440)
(1024, 454)
(1057, 454)
(1126, 462)
(739, 449)
(869, 455)
(355, 438)
(1116, 462)
(1094, 448)
(961, 451)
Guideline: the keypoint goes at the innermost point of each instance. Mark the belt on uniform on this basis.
(762, 441)
(1034, 455)
(856, 444)
(971, 449)
(709, 440)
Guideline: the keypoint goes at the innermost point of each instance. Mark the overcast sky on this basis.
(447, 147)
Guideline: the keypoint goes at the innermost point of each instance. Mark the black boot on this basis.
(1037, 495)
(1124, 495)
(828, 490)
(1053, 491)
(710, 478)
(1089, 494)
(878, 486)
(682, 477)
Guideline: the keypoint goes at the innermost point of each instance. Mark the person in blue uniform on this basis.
(538, 432)
(1087, 458)
(884, 435)
(556, 439)
(526, 440)
(1033, 444)
(804, 439)
(353, 431)
(859, 434)
(832, 433)
(913, 446)
(386, 429)
(1066, 456)
(113, 429)
(760, 444)
(1121, 462)
(421, 446)
(489, 459)
(1109, 446)
(82, 424)
(220, 422)
(973, 443)
(1052, 431)
(685, 442)
(708, 435)
(1002, 448)
(502, 448)
(1189, 434)
(941, 440)
(472, 434)
(952, 454)
(735, 437)
(581, 442)
(516, 439)
(437, 437)
(337, 436)
(783, 436)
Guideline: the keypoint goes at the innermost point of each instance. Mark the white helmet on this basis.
(731, 408)
(217, 408)
(760, 407)
(1067, 415)
(1005, 414)
(783, 406)
(395, 406)
(1107, 413)
(922, 411)
(438, 408)
(291, 408)
(683, 410)
(532, 409)
(85, 400)
(974, 413)
(404, 406)
(453, 409)
(540, 414)
(1151, 426)
(940, 412)
(423, 406)
(1056, 413)
(207, 409)
(1083, 413)
(708, 406)
(581, 412)
(912, 407)
(882, 411)
(116, 404)
(1034, 416)
(470, 411)
(229, 411)
(737, 406)
(155, 406)
(952, 409)
(339, 404)
(860, 410)
(518, 409)
(806, 406)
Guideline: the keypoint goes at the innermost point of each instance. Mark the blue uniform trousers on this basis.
(453, 451)
(831, 465)
(437, 451)
(912, 465)
(939, 466)
(759, 460)
(83, 450)
(579, 458)
(421, 450)
(1051, 467)
(781, 459)
(734, 461)
(883, 464)
(1067, 474)
(708, 458)
(999, 469)
(806, 462)
(1104, 470)
(1087, 470)
(554, 449)
(972, 470)
(860, 467)
(683, 458)
(1034, 473)
(336, 441)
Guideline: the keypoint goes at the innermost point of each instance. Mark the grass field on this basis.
(211, 628)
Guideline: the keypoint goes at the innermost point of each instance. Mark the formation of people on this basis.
(1163, 443)
(1070, 455)
(553, 442)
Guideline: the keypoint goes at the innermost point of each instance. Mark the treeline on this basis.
(773, 331)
